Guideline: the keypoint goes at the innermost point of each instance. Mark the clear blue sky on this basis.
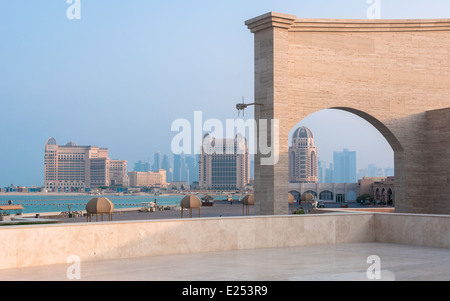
(120, 75)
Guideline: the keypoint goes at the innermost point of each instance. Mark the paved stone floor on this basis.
(345, 262)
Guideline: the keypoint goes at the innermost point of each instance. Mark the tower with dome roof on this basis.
(303, 157)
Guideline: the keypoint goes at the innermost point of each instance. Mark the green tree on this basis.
(364, 197)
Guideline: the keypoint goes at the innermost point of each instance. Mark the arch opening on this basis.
(382, 128)
(340, 146)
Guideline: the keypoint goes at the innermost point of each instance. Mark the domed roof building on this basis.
(303, 132)
(190, 202)
(100, 206)
(247, 201)
(303, 137)
(303, 158)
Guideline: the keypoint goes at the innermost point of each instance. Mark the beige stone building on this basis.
(73, 167)
(331, 192)
(303, 158)
(224, 164)
(148, 179)
(118, 173)
(380, 188)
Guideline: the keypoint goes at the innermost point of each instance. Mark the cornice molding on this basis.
(269, 20)
(292, 23)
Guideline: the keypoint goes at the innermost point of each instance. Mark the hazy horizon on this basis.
(119, 76)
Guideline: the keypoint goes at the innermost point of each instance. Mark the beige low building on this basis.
(337, 192)
(366, 183)
(148, 179)
(380, 188)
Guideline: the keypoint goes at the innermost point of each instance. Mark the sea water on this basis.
(60, 203)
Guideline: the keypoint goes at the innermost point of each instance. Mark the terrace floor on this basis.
(342, 262)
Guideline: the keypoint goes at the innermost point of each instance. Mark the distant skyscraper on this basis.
(252, 169)
(157, 162)
(191, 169)
(322, 172)
(379, 173)
(303, 158)
(165, 164)
(362, 173)
(142, 166)
(329, 174)
(344, 167)
(372, 170)
(177, 168)
(389, 172)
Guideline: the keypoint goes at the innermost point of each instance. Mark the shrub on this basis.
(363, 197)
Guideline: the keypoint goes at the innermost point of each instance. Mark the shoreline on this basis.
(219, 209)
(113, 193)
(80, 194)
(56, 213)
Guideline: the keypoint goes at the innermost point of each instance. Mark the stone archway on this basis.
(295, 194)
(326, 195)
(392, 73)
(390, 197)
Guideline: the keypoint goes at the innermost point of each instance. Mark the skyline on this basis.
(120, 75)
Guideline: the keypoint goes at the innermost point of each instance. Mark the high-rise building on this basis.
(303, 157)
(372, 170)
(165, 164)
(224, 163)
(142, 166)
(329, 174)
(157, 162)
(191, 169)
(177, 168)
(389, 172)
(322, 172)
(252, 169)
(362, 173)
(73, 167)
(344, 166)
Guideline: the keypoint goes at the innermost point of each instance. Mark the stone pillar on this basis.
(271, 90)
(438, 138)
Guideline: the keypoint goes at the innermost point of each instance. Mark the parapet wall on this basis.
(25, 246)
(413, 229)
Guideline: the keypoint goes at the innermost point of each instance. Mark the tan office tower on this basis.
(224, 164)
(73, 167)
(303, 160)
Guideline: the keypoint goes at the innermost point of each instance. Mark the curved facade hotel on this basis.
(303, 159)
(74, 167)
